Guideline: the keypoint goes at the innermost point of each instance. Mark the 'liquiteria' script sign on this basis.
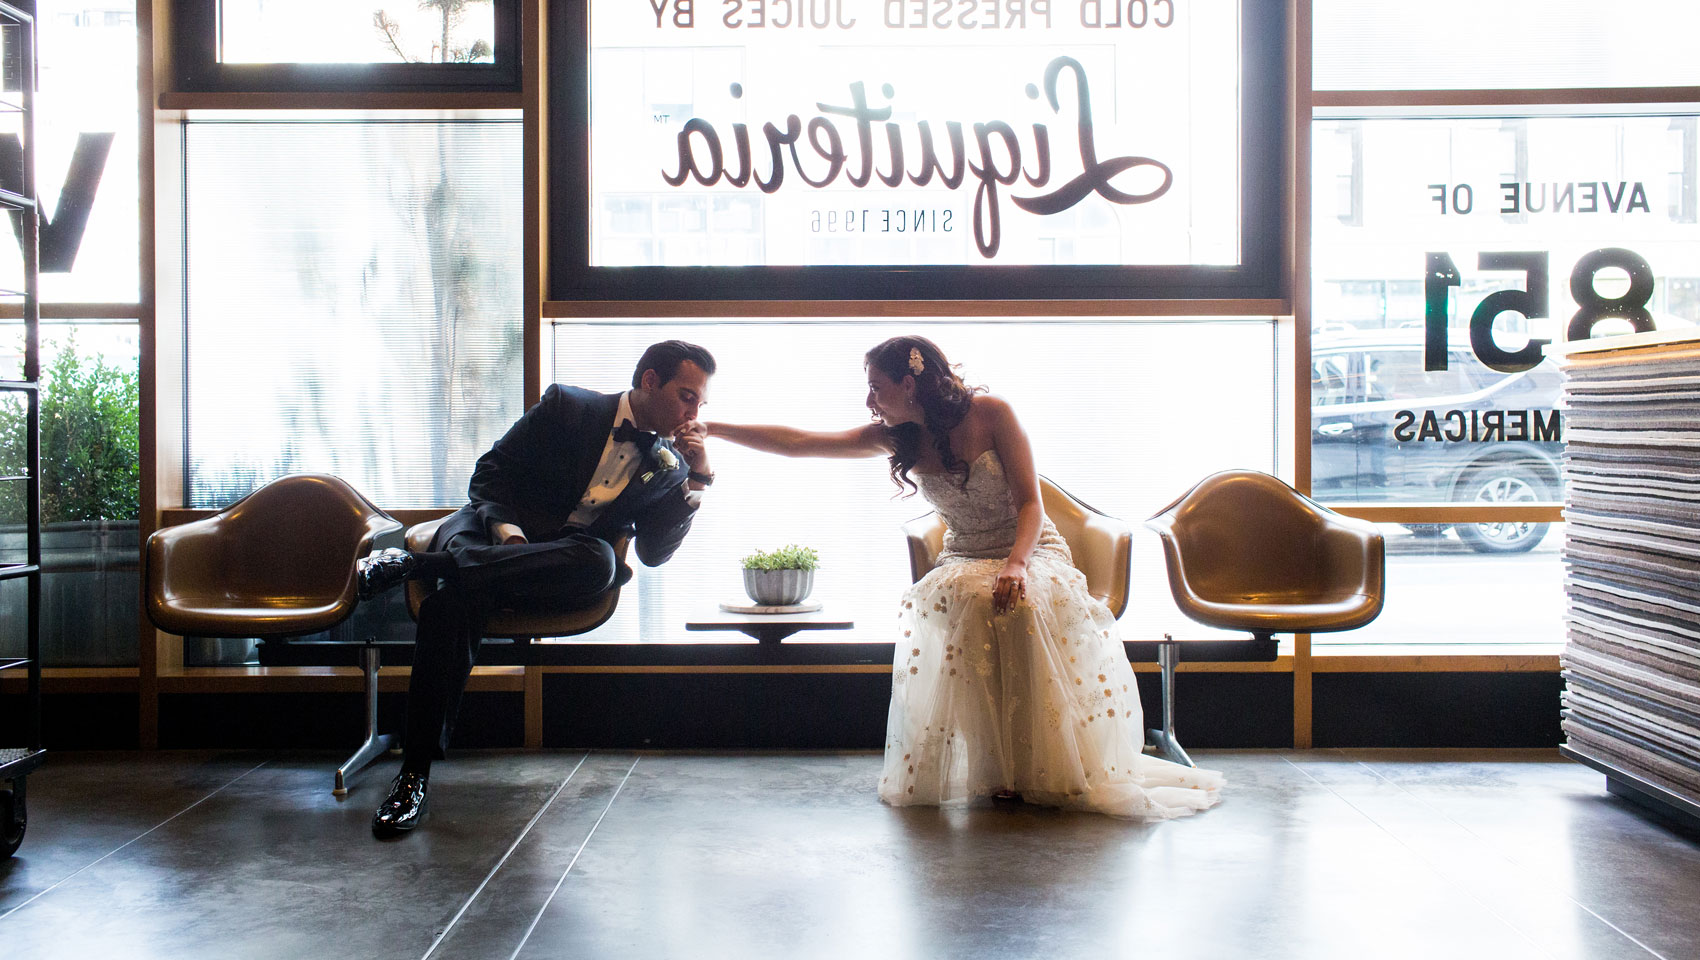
(902, 133)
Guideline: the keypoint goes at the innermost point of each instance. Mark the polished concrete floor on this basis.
(1324, 854)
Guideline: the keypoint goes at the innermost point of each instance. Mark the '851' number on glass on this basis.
(1531, 301)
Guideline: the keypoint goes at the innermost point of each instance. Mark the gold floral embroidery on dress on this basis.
(997, 739)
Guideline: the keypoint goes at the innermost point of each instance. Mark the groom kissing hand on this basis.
(577, 472)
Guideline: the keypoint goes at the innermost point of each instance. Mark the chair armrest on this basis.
(419, 538)
(1355, 554)
(1106, 559)
(192, 551)
(382, 531)
(419, 535)
(926, 540)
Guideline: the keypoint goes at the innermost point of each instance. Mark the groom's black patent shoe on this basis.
(403, 809)
(383, 569)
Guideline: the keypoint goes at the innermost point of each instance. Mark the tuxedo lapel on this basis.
(595, 421)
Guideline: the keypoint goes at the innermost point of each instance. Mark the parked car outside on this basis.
(1384, 430)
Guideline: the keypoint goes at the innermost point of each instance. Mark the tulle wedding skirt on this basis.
(1039, 700)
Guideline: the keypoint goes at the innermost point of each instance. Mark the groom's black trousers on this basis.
(553, 574)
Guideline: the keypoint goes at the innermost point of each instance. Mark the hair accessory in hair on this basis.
(916, 364)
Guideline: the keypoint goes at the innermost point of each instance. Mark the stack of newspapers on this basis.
(1632, 561)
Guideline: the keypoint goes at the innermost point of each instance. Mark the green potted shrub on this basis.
(780, 577)
(90, 490)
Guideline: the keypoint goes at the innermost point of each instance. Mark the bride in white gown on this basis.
(1010, 678)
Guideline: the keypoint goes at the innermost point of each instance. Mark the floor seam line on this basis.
(1425, 861)
(570, 864)
(1520, 867)
(120, 848)
(444, 935)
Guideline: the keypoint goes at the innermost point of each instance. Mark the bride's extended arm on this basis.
(1016, 454)
(868, 440)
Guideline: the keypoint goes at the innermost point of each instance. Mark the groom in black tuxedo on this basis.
(574, 473)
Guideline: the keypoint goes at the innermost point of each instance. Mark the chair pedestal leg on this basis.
(1168, 655)
(376, 743)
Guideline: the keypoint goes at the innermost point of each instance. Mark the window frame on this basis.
(196, 67)
(1264, 216)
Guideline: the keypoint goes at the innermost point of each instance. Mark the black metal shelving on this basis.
(17, 74)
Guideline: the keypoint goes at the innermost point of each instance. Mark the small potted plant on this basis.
(780, 577)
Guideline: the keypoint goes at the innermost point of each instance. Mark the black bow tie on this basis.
(626, 433)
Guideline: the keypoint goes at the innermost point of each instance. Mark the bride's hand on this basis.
(1011, 587)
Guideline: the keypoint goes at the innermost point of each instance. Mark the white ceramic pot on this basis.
(777, 588)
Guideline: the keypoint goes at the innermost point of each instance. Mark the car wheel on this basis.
(11, 822)
(1502, 483)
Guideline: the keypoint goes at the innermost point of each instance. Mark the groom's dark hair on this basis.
(664, 358)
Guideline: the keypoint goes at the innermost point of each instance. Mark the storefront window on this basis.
(1125, 415)
(85, 173)
(90, 491)
(936, 151)
(354, 303)
(1500, 44)
(1438, 579)
(1481, 240)
(336, 31)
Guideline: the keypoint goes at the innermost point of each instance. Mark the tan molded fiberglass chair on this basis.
(521, 625)
(1247, 552)
(277, 563)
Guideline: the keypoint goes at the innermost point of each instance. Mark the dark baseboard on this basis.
(820, 711)
(82, 721)
(848, 711)
(1435, 710)
(331, 721)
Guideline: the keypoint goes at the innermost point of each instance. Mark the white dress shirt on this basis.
(619, 463)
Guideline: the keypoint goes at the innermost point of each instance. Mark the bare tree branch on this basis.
(391, 31)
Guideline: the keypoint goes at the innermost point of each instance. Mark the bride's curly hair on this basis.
(944, 398)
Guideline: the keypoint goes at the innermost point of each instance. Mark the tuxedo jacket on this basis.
(538, 471)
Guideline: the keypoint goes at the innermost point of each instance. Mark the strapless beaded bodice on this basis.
(980, 516)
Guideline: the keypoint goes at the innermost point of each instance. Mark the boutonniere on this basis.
(664, 458)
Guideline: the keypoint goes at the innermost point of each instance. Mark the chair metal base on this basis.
(1168, 656)
(376, 743)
